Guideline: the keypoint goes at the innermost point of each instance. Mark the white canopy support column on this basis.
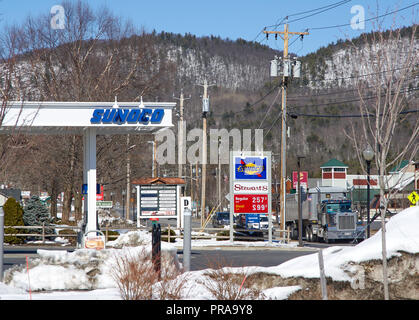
(89, 176)
(88, 119)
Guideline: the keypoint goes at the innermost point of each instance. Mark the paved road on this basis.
(212, 258)
(201, 258)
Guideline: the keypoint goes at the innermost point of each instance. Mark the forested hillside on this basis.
(322, 105)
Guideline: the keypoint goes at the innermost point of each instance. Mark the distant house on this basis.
(334, 173)
(9, 193)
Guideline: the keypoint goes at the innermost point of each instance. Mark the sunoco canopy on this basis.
(73, 117)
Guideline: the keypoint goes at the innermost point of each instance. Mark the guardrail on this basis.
(239, 234)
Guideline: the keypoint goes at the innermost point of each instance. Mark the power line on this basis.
(366, 20)
(322, 94)
(348, 115)
(354, 100)
(326, 8)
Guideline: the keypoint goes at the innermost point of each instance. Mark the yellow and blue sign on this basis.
(250, 168)
(130, 116)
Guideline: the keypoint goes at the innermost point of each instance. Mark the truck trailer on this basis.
(327, 215)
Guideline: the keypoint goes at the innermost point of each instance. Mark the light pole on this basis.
(368, 154)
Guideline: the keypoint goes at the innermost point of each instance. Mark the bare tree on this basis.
(388, 79)
(96, 57)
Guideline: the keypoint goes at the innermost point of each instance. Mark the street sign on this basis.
(104, 204)
(413, 198)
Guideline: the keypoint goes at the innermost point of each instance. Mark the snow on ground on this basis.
(62, 271)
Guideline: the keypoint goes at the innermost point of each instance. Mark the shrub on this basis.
(225, 233)
(137, 278)
(165, 235)
(13, 216)
(225, 285)
(112, 235)
(72, 240)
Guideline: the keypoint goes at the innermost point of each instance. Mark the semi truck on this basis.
(327, 215)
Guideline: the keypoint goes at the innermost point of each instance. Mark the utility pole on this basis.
(128, 204)
(205, 110)
(181, 134)
(285, 35)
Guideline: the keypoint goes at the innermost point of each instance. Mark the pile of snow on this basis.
(90, 269)
(401, 236)
(83, 269)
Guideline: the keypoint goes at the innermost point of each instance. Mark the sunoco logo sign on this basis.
(130, 116)
(250, 168)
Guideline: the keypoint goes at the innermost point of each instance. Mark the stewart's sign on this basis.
(250, 186)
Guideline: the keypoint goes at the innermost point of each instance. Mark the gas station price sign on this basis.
(251, 203)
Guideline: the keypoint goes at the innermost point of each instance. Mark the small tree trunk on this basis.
(68, 195)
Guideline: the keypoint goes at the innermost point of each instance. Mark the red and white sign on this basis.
(251, 203)
(250, 187)
(303, 179)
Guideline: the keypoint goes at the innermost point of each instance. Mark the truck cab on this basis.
(339, 221)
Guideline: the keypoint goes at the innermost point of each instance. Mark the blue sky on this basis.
(235, 18)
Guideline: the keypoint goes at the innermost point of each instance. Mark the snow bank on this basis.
(402, 236)
(83, 269)
(90, 269)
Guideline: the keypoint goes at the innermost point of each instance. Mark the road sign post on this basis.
(413, 198)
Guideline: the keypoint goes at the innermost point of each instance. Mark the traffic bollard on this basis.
(187, 240)
(156, 247)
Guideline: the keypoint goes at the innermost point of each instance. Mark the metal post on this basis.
(156, 247)
(187, 239)
(368, 197)
(1, 242)
(322, 276)
(300, 222)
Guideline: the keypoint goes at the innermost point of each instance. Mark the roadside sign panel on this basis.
(250, 168)
(246, 187)
(413, 198)
(250, 182)
(250, 185)
(251, 203)
(158, 201)
(104, 204)
(303, 179)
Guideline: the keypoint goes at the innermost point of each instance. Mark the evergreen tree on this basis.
(13, 216)
(35, 213)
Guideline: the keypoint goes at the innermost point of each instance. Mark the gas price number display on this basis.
(251, 203)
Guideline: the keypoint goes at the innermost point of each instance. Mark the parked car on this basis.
(221, 219)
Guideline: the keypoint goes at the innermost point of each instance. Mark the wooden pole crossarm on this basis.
(283, 32)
